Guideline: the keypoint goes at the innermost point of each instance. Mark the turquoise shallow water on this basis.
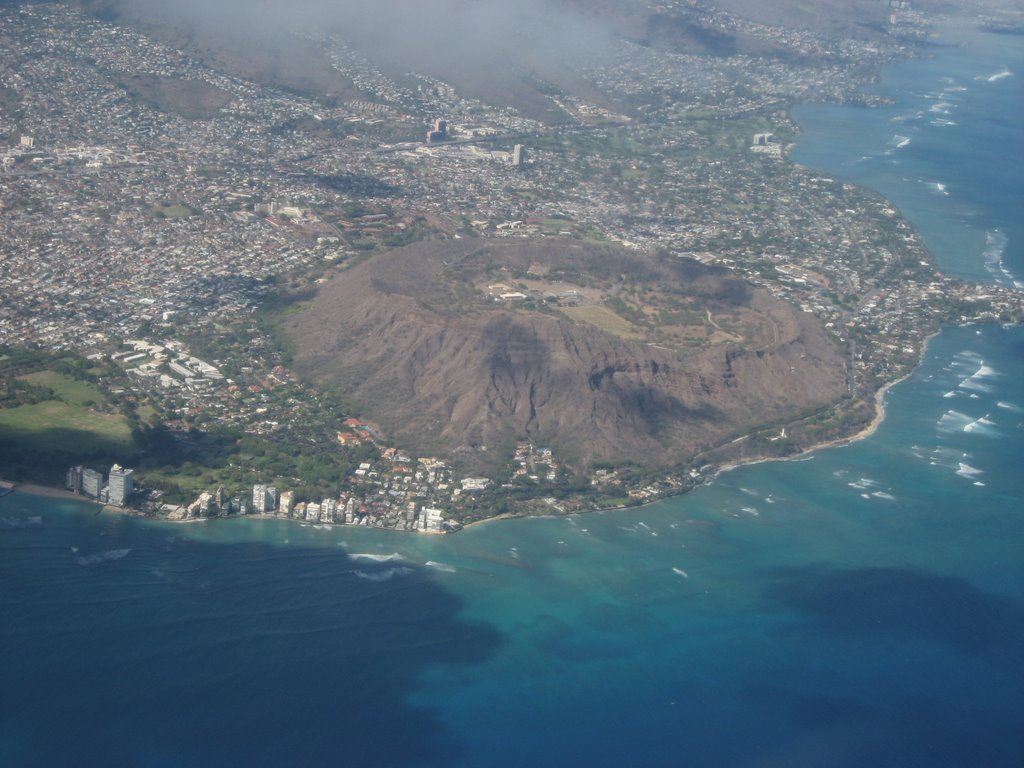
(947, 152)
(863, 606)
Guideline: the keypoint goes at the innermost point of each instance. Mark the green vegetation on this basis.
(74, 392)
(632, 313)
(193, 99)
(330, 128)
(184, 464)
(49, 425)
(257, 427)
(604, 318)
(52, 414)
(176, 211)
(9, 99)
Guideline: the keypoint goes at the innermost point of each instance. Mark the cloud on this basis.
(498, 51)
(468, 31)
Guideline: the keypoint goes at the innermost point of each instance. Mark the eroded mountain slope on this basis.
(606, 354)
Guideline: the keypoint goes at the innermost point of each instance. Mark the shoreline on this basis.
(54, 492)
(503, 516)
(50, 492)
(58, 493)
(839, 442)
(264, 516)
(866, 431)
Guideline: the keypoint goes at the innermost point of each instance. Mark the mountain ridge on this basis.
(442, 367)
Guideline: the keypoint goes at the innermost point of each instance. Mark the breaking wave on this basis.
(995, 249)
(102, 557)
(966, 470)
(444, 567)
(384, 575)
(376, 558)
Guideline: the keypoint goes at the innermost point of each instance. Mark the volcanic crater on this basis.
(605, 354)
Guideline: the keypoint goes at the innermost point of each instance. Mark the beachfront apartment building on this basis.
(120, 485)
(92, 483)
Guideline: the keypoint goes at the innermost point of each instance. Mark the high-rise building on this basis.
(264, 499)
(328, 510)
(430, 520)
(350, 510)
(518, 155)
(120, 485)
(203, 506)
(284, 509)
(439, 131)
(92, 482)
(74, 479)
(312, 512)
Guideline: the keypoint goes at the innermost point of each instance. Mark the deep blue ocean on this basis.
(863, 606)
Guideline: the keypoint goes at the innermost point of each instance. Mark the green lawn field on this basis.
(63, 428)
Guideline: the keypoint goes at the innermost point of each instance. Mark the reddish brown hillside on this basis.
(610, 355)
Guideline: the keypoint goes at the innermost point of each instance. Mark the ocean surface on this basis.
(863, 606)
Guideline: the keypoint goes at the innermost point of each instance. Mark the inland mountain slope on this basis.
(603, 353)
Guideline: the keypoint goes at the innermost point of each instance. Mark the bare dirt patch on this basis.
(193, 99)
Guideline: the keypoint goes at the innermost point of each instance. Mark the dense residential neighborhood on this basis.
(151, 205)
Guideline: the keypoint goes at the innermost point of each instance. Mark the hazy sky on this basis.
(473, 27)
(484, 47)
